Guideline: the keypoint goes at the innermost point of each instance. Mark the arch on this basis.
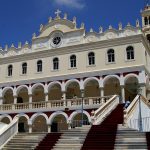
(6, 116)
(5, 90)
(36, 85)
(23, 115)
(19, 88)
(23, 122)
(129, 76)
(31, 120)
(77, 112)
(51, 118)
(71, 81)
(131, 84)
(90, 79)
(109, 77)
(53, 83)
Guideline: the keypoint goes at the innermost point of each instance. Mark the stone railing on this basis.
(137, 115)
(130, 109)
(134, 124)
(53, 105)
(101, 113)
(7, 133)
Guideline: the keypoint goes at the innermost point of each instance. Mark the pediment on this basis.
(63, 25)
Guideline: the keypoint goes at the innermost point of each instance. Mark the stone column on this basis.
(122, 94)
(1, 100)
(49, 128)
(69, 124)
(46, 97)
(64, 95)
(64, 98)
(102, 94)
(30, 101)
(30, 98)
(15, 99)
(30, 128)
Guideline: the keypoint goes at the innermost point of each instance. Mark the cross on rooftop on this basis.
(57, 13)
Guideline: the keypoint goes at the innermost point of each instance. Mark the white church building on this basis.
(68, 73)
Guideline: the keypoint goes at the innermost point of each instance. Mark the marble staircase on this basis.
(127, 138)
(72, 139)
(24, 141)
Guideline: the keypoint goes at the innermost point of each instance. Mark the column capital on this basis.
(101, 88)
(122, 86)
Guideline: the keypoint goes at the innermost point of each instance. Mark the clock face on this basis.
(56, 40)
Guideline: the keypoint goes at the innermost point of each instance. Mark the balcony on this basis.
(54, 105)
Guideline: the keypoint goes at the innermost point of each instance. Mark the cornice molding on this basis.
(73, 49)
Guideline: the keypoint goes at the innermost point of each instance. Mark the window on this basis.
(111, 55)
(73, 61)
(10, 69)
(39, 66)
(24, 68)
(146, 21)
(91, 58)
(55, 64)
(130, 53)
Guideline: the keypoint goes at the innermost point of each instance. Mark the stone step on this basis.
(135, 139)
(67, 148)
(17, 148)
(70, 141)
(24, 141)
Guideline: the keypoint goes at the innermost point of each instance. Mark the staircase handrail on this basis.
(131, 107)
(145, 100)
(105, 109)
(7, 133)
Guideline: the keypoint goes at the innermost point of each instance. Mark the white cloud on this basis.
(79, 4)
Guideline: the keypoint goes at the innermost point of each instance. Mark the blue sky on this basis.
(19, 19)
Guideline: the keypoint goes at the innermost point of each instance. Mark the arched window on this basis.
(55, 64)
(73, 61)
(130, 52)
(24, 68)
(91, 58)
(10, 69)
(111, 55)
(39, 66)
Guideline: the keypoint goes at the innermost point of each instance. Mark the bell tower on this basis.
(146, 21)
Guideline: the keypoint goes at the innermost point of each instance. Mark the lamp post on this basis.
(82, 96)
(140, 113)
